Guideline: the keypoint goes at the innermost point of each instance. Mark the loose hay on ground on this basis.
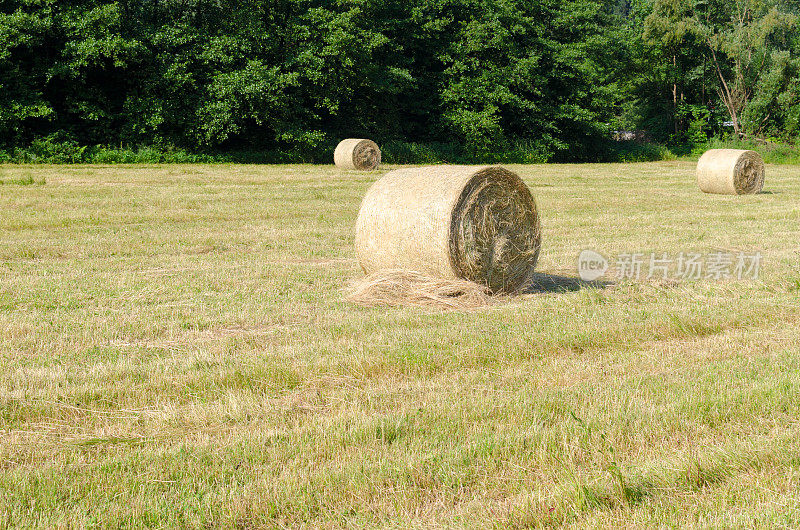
(395, 287)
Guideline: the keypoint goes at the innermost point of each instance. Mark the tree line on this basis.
(542, 79)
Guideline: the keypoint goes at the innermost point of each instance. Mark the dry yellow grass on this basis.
(177, 352)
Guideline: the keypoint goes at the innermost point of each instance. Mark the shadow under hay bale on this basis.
(554, 283)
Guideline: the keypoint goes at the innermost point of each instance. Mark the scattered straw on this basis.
(398, 287)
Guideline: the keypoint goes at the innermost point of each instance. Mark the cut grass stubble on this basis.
(177, 352)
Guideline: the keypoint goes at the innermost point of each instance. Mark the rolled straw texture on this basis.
(730, 172)
(451, 222)
(357, 154)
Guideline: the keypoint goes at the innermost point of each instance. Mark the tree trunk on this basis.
(727, 96)
(675, 96)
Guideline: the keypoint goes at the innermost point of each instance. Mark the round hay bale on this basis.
(452, 222)
(357, 153)
(730, 172)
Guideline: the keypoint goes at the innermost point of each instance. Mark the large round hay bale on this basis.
(452, 222)
(357, 153)
(730, 172)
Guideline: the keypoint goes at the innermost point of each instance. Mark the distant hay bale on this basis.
(358, 154)
(730, 172)
(403, 287)
(478, 224)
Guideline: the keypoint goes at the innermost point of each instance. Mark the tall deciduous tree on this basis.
(747, 43)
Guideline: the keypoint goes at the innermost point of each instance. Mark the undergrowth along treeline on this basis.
(430, 80)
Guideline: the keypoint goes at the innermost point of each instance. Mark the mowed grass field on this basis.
(177, 352)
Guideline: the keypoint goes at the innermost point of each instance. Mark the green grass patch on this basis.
(23, 181)
(772, 152)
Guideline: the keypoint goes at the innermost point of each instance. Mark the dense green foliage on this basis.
(733, 61)
(461, 80)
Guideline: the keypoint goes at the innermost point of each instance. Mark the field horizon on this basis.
(178, 352)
